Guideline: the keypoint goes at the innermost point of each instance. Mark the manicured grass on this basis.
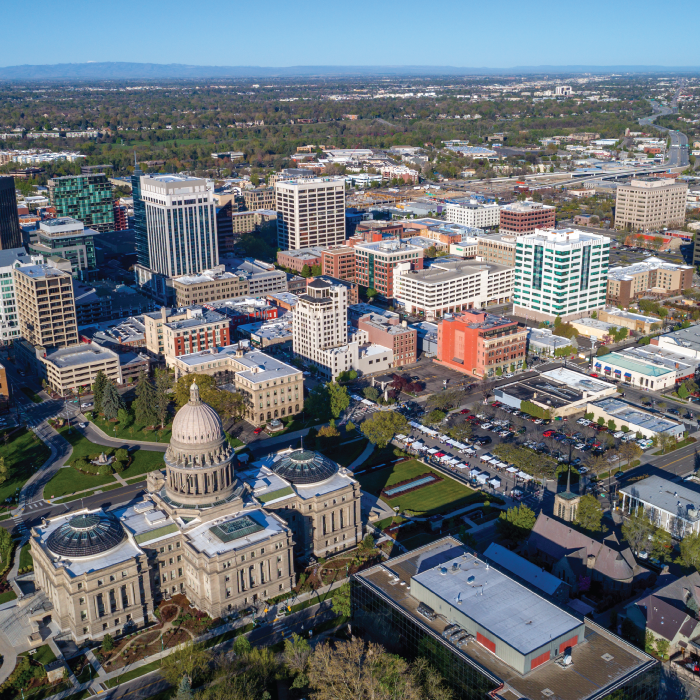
(44, 655)
(134, 432)
(69, 480)
(46, 691)
(314, 600)
(225, 636)
(101, 489)
(7, 596)
(441, 497)
(130, 675)
(5, 516)
(396, 520)
(25, 557)
(142, 463)
(22, 452)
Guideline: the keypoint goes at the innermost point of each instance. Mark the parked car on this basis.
(464, 412)
(619, 434)
(259, 430)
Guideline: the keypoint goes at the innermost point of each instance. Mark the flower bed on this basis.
(401, 488)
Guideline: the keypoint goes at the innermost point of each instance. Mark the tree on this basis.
(589, 514)
(318, 403)
(112, 402)
(190, 660)
(3, 470)
(434, 417)
(629, 451)
(107, 642)
(661, 545)
(297, 651)
(144, 405)
(662, 647)
(5, 541)
(98, 389)
(125, 418)
(341, 600)
(602, 350)
(349, 427)
(636, 530)
(371, 293)
(316, 271)
(329, 431)
(371, 393)
(359, 670)
(690, 551)
(339, 398)
(164, 382)
(446, 400)
(381, 427)
(516, 523)
(184, 691)
(305, 271)
(461, 432)
(611, 425)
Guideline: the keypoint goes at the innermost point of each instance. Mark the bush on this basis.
(118, 466)
(107, 642)
(104, 470)
(122, 455)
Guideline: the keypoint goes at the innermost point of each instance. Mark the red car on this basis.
(593, 374)
(601, 428)
(259, 430)
(548, 433)
(496, 404)
(464, 411)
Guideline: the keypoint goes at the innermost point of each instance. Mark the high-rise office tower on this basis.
(10, 233)
(310, 212)
(140, 232)
(560, 272)
(87, 198)
(46, 306)
(180, 225)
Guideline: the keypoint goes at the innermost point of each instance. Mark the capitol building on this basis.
(225, 535)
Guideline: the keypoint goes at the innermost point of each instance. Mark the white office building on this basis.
(473, 214)
(11, 259)
(560, 272)
(310, 212)
(180, 223)
(452, 287)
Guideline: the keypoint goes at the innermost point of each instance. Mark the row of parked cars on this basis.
(628, 436)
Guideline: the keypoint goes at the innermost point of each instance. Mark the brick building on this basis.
(195, 330)
(479, 343)
(297, 259)
(391, 333)
(339, 262)
(375, 262)
(520, 218)
(651, 275)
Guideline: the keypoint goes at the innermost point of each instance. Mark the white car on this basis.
(582, 421)
(82, 425)
(508, 375)
(486, 426)
(618, 434)
(582, 470)
(85, 405)
(537, 421)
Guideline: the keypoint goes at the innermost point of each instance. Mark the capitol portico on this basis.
(224, 540)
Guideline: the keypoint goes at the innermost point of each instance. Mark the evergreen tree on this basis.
(98, 389)
(145, 402)
(112, 402)
(164, 382)
(184, 691)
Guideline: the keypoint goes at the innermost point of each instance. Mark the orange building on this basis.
(479, 343)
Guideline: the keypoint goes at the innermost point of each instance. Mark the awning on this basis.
(627, 374)
(432, 451)
(618, 371)
(524, 476)
(495, 482)
(512, 470)
(482, 478)
(597, 364)
(607, 369)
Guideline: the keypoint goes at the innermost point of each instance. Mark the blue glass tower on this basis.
(140, 229)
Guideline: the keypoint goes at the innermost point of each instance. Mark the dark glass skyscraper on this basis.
(141, 233)
(10, 232)
(87, 198)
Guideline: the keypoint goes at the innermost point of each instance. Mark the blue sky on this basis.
(464, 33)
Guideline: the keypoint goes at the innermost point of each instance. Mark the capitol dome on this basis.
(197, 423)
(86, 535)
(199, 460)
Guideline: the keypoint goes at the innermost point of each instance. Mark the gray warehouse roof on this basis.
(497, 603)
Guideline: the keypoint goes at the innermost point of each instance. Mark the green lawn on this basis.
(134, 432)
(7, 596)
(130, 675)
(442, 497)
(69, 480)
(44, 655)
(25, 557)
(23, 451)
(143, 462)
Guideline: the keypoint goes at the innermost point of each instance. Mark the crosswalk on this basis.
(37, 504)
(280, 627)
(21, 527)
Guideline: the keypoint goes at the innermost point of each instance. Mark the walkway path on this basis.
(363, 457)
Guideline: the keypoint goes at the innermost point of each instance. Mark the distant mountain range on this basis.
(174, 71)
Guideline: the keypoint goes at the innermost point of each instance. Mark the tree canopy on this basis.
(381, 427)
(516, 523)
(589, 515)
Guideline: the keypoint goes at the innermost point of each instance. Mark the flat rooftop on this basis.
(442, 273)
(600, 663)
(643, 267)
(83, 354)
(495, 601)
(557, 388)
(648, 369)
(635, 417)
(42, 271)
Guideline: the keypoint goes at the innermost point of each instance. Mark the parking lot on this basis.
(564, 440)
